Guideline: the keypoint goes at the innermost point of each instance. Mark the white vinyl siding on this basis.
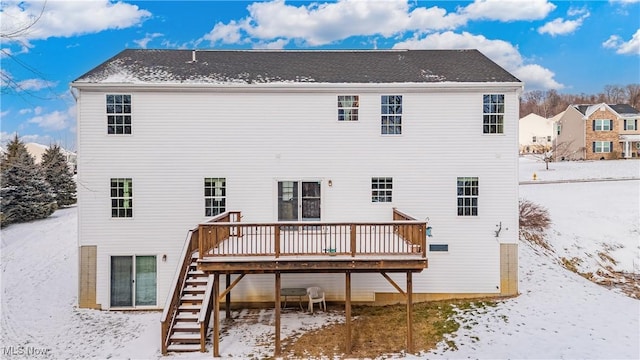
(262, 144)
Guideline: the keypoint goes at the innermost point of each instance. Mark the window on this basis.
(548, 138)
(438, 247)
(467, 196)
(493, 114)
(381, 189)
(533, 139)
(602, 125)
(118, 114)
(631, 124)
(121, 198)
(391, 111)
(215, 196)
(558, 129)
(348, 107)
(602, 146)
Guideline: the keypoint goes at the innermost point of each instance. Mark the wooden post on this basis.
(216, 315)
(409, 312)
(228, 298)
(277, 302)
(347, 312)
(353, 240)
(200, 241)
(276, 238)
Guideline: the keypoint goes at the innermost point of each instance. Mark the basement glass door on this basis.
(299, 200)
(133, 281)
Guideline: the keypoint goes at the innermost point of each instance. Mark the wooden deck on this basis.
(226, 245)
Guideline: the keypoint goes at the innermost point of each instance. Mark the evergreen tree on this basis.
(59, 176)
(24, 192)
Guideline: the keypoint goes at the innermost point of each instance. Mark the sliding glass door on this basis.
(133, 281)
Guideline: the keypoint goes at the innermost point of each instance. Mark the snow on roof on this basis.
(142, 66)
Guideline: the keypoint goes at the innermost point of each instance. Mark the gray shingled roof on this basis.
(621, 109)
(314, 66)
(624, 109)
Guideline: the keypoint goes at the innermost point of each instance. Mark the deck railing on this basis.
(233, 238)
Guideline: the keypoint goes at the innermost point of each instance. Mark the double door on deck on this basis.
(299, 200)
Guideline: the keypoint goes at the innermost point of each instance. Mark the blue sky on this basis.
(569, 46)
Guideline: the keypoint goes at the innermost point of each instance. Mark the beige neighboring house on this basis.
(37, 151)
(535, 134)
(598, 132)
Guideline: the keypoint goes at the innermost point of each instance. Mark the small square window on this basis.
(348, 107)
(381, 189)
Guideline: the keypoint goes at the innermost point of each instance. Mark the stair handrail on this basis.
(205, 312)
(173, 298)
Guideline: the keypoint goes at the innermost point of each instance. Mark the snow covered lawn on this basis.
(559, 314)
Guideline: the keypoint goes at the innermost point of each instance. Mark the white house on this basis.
(535, 134)
(167, 139)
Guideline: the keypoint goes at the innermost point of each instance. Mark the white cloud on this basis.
(142, 43)
(56, 120)
(324, 23)
(5, 113)
(508, 10)
(560, 26)
(624, 2)
(501, 52)
(631, 47)
(34, 85)
(65, 18)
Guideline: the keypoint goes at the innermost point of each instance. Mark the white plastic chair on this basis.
(316, 295)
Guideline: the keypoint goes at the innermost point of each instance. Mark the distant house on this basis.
(535, 134)
(310, 165)
(598, 132)
(37, 150)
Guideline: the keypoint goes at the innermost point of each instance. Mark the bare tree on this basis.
(614, 94)
(632, 92)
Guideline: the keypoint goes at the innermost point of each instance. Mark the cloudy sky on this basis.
(569, 46)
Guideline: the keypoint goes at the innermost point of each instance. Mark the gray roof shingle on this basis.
(314, 66)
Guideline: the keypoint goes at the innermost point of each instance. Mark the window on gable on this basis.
(121, 198)
(118, 114)
(215, 196)
(467, 196)
(391, 114)
(381, 189)
(602, 146)
(602, 125)
(493, 114)
(533, 139)
(348, 107)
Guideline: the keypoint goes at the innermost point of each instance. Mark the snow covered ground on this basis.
(559, 314)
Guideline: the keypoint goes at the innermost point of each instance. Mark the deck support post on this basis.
(278, 350)
(409, 312)
(216, 315)
(347, 311)
(228, 298)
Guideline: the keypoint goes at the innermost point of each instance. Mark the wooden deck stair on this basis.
(188, 332)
